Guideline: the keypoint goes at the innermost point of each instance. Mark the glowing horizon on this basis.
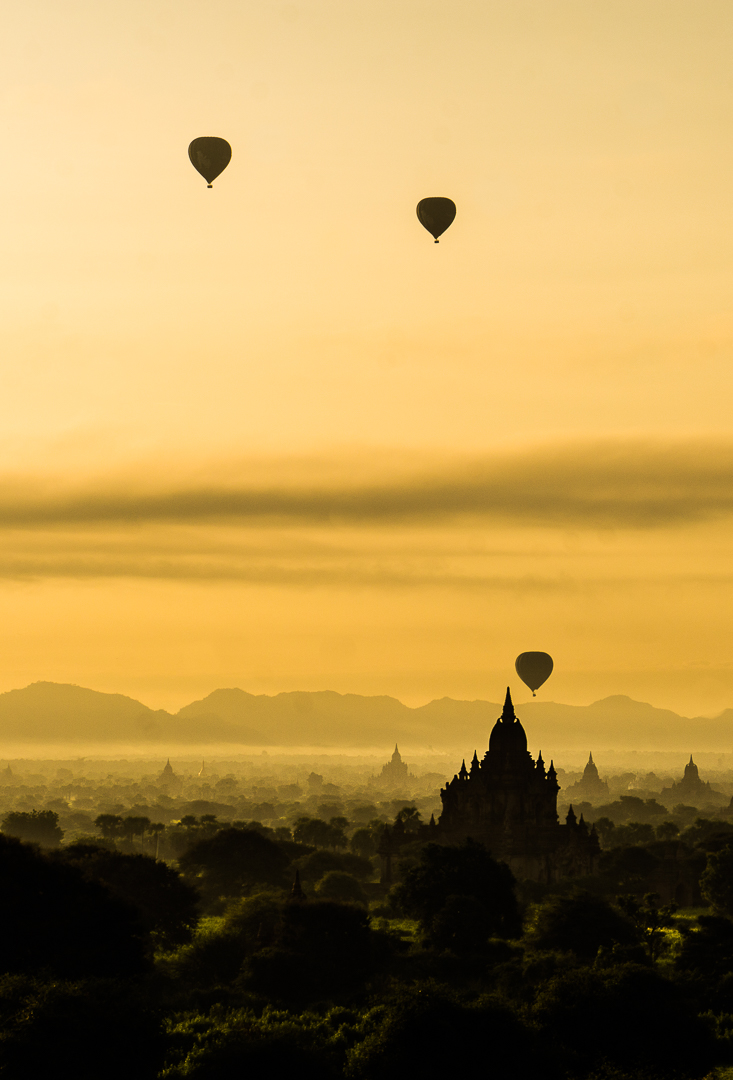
(270, 435)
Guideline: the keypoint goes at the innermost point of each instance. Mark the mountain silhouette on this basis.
(59, 712)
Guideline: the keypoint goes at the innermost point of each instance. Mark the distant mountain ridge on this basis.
(328, 718)
(63, 713)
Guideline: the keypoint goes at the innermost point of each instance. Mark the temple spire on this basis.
(296, 893)
(508, 714)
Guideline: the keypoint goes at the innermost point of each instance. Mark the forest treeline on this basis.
(208, 963)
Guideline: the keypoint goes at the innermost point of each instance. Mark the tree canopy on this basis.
(469, 871)
(165, 904)
(34, 826)
(52, 918)
(234, 861)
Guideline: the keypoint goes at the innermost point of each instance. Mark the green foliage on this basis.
(231, 1043)
(427, 1031)
(468, 870)
(254, 920)
(582, 924)
(214, 958)
(82, 1030)
(651, 918)
(286, 951)
(34, 826)
(705, 960)
(336, 885)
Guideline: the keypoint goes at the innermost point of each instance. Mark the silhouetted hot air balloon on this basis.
(436, 214)
(210, 156)
(533, 668)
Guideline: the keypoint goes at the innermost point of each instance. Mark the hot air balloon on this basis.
(436, 214)
(210, 156)
(533, 668)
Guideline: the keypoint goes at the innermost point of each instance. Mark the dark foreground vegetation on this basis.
(209, 966)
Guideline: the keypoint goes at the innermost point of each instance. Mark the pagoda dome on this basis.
(508, 736)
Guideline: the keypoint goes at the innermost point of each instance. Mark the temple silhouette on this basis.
(508, 802)
(395, 772)
(691, 789)
(590, 788)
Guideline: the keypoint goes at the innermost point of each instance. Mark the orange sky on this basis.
(270, 435)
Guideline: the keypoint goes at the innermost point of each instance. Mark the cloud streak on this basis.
(611, 484)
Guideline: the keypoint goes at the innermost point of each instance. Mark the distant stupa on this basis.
(395, 771)
(590, 788)
(202, 770)
(691, 790)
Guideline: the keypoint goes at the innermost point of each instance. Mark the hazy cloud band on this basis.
(607, 484)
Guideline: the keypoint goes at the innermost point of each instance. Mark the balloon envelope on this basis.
(533, 668)
(436, 214)
(210, 156)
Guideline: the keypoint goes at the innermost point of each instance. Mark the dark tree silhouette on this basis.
(365, 842)
(706, 961)
(110, 825)
(716, 883)
(34, 826)
(462, 925)
(81, 1030)
(52, 919)
(318, 833)
(135, 826)
(233, 861)
(244, 1045)
(319, 948)
(165, 904)
(428, 1032)
(468, 870)
(314, 866)
(581, 923)
(651, 920)
(410, 817)
(336, 885)
(625, 1015)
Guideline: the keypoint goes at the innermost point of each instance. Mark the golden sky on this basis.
(270, 435)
